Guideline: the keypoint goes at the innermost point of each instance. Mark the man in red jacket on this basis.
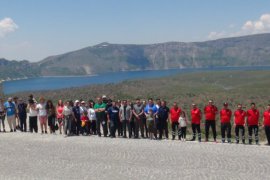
(175, 112)
(210, 112)
(239, 123)
(225, 118)
(253, 123)
(266, 123)
(196, 117)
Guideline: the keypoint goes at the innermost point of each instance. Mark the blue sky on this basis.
(35, 29)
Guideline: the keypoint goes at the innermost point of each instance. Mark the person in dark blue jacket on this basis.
(113, 118)
(22, 114)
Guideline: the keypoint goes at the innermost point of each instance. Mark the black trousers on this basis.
(226, 128)
(125, 126)
(51, 123)
(132, 127)
(23, 125)
(78, 127)
(93, 126)
(175, 130)
(138, 128)
(196, 128)
(104, 125)
(237, 129)
(255, 129)
(119, 128)
(33, 124)
(113, 128)
(267, 133)
(183, 132)
(163, 126)
(212, 124)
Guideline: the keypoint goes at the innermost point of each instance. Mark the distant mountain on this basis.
(106, 57)
(17, 69)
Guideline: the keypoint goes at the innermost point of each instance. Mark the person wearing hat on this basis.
(10, 110)
(196, 117)
(100, 108)
(2, 115)
(253, 115)
(22, 114)
(266, 124)
(225, 118)
(210, 112)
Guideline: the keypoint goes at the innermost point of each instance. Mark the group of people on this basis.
(145, 119)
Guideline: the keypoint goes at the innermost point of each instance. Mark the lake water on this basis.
(50, 83)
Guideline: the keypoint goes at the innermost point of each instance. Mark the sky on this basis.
(36, 29)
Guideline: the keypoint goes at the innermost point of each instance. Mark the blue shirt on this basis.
(153, 107)
(10, 108)
(113, 114)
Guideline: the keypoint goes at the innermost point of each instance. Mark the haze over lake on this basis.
(51, 83)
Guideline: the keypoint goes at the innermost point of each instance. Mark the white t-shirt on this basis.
(33, 112)
(182, 121)
(67, 111)
(42, 109)
(91, 114)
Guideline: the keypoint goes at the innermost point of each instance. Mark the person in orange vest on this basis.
(239, 123)
(210, 112)
(225, 118)
(266, 124)
(253, 123)
(196, 117)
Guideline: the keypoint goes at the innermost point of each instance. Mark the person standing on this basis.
(183, 125)
(196, 117)
(163, 116)
(151, 106)
(210, 112)
(42, 115)
(253, 123)
(59, 115)
(51, 116)
(17, 118)
(150, 119)
(2, 115)
(266, 124)
(239, 123)
(125, 114)
(225, 118)
(92, 117)
(137, 112)
(175, 112)
(77, 118)
(144, 119)
(10, 109)
(68, 118)
(113, 118)
(22, 114)
(33, 113)
(100, 108)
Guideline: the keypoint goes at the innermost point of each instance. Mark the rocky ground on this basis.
(36, 156)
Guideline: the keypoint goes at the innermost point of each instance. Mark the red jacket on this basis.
(225, 115)
(210, 112)
(239, 117)
(175, 114)
(266, 117)
(253, 117)
(196, 116)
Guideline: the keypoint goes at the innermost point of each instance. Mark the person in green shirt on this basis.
(101, 117)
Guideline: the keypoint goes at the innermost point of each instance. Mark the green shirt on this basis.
(100, 115)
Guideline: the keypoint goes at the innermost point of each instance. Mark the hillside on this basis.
(105, 57)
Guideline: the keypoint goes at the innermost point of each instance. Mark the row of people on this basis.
(147, 118)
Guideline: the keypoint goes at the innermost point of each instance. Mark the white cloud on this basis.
(7, 25)
(262, 25)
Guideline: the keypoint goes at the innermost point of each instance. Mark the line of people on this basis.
(139, 119)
